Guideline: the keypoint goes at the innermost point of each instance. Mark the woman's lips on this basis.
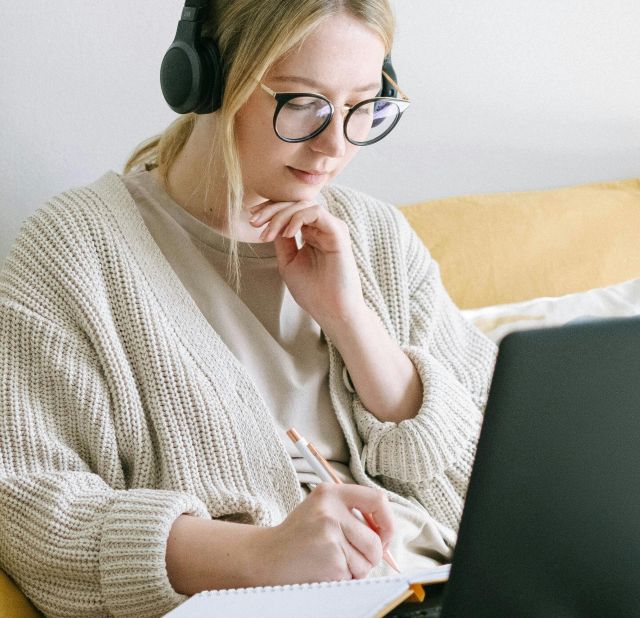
(309, 177)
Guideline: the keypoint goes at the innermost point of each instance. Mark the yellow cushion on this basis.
(508, 247)
(13, 604)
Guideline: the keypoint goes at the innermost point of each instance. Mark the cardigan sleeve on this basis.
(430, 455)
(75, 544)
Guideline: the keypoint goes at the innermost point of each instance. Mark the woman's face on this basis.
(341, 59)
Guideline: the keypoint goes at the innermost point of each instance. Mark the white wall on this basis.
(507, 95)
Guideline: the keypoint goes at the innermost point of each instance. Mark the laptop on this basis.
(551, 522)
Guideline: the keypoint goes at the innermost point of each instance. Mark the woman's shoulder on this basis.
(368, 218)
(92, 203)
(69, 238)
(341, 198)
(71, 218)
(73, 254)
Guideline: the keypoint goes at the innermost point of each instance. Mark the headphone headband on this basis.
(193, 10)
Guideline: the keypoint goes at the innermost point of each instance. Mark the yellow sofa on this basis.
(13, 604)
(509, 247)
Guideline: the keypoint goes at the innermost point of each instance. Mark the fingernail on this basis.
(254, 218)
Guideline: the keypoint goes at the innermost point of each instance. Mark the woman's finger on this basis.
(261, 205)
(357, 565)
(372, 501)
(278, 221)
(313, 217)
(286, 251)
(308, 216)
(327, 231)
(363, 548)
(266, 210)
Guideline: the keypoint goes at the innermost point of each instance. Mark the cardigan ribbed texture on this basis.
(121, 408)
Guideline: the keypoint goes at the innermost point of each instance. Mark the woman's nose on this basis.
(331, 142)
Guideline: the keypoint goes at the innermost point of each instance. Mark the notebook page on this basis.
(356, 598)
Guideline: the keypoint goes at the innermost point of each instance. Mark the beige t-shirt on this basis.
(279, 345)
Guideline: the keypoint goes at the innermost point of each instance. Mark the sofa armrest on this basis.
(13, 604)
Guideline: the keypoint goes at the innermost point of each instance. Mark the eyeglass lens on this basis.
(301, 117)
(369, 121)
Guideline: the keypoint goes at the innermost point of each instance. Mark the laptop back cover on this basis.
(551, 524)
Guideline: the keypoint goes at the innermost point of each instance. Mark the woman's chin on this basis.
(293, 194)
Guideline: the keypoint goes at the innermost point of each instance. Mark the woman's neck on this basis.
(187, 187)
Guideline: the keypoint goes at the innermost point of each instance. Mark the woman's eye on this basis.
(299, 106)
(302, 104)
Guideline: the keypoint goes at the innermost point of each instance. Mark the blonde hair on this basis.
(251, 36)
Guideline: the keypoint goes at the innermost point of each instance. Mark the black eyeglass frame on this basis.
(282, 98)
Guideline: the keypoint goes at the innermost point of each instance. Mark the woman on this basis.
(161, 330)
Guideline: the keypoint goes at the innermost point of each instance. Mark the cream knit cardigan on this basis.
(121, 408)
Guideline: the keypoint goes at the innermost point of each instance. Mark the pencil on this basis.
(327, 474)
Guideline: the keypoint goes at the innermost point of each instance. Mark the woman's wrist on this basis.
(340, 328)
(205, 554)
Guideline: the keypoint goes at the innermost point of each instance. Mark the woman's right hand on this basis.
(322, 539)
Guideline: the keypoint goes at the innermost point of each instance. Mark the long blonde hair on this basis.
(251, 36)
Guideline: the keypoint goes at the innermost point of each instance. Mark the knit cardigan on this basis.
(121, 407)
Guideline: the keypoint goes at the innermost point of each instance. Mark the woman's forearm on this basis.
(208, 554)
(384, 377)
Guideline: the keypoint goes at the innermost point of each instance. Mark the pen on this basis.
(322, 468)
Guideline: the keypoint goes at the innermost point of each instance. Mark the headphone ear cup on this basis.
(191, 75)
(181, 75)
(388, 89)
(192, 81)
(212, 87)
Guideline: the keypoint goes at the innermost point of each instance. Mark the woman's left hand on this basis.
(322, 275)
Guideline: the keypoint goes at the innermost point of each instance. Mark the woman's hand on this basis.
(322, 275)
(322, 540)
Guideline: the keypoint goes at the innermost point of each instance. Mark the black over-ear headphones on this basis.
(192, 75)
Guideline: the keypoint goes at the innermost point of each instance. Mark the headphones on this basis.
(192, 73)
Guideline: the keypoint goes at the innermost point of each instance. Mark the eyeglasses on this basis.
(300, 116)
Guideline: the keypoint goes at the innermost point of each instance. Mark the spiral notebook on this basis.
(356, 598)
